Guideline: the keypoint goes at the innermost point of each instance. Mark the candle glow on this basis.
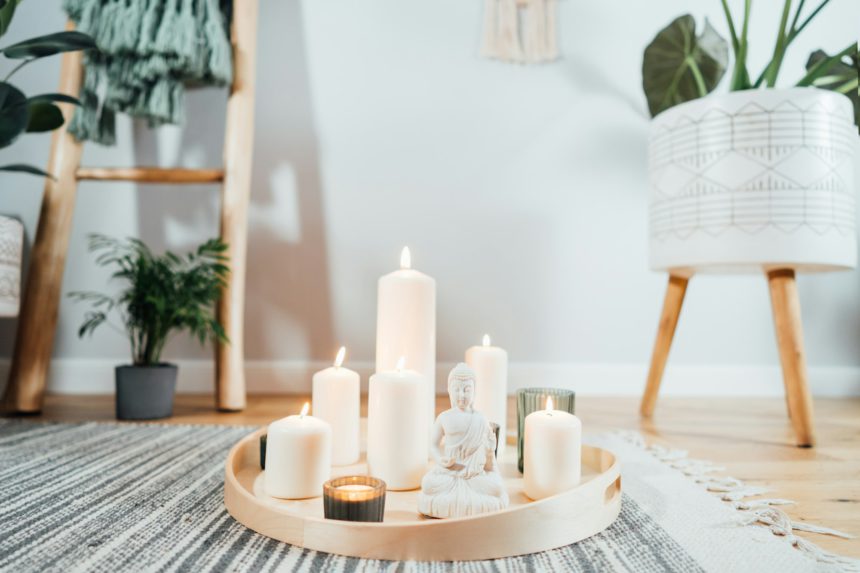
(549, 404)
(405, 258)
(305, 409)
(486, 341)
(401, 363)
(338, 361)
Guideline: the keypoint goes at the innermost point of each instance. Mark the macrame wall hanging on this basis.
(520, 31)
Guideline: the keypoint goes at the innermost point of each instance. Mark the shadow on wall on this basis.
(287, 301)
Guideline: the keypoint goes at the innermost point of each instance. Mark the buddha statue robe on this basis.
(466, 480)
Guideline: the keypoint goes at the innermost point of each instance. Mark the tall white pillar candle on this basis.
(336, 399)
(298, 456)
(398, 440)
(490, 364)
(406, 326)
(552, 453)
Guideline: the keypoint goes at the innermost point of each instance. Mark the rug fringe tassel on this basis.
(759, 512)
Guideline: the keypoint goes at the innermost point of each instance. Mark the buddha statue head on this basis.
(461, 386)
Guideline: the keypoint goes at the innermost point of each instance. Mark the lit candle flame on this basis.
(305, 409)
(401, 363)
(405, 258)
(338, 361)
(486, 340)
(549, 405)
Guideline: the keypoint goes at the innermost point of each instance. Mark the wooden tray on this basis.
(524, 527)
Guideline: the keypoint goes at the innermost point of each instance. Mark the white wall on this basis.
(521, 189)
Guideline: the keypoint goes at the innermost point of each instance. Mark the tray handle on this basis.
(613, 490)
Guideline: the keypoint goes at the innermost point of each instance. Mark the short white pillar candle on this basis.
(336, 399)
(490, 364)
(552, 456)
(398, 439)
(298, 456)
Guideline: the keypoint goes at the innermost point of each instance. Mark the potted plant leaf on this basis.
(162, 295)
(20, 114)
(761, 176)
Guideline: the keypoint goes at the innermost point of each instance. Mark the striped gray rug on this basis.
(148, 497)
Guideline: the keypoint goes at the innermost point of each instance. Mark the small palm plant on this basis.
(165, 294)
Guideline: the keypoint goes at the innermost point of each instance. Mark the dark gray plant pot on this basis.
(145, 392)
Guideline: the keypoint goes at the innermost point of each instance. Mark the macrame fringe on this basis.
(761, 512)
(150, 50)
(520, 35)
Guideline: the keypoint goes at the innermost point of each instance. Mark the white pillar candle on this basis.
(552, 452)
(490, 364)
(397, 437)
(298, 456)
(336, 399)
(406, 326)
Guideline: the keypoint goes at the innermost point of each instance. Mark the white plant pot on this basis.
(11, 243)
(754, 179)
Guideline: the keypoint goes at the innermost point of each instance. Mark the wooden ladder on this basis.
(41, 298)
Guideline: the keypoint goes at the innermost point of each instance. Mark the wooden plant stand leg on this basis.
(42, 290)
(665, 332)
(789, 337)
(235, 195)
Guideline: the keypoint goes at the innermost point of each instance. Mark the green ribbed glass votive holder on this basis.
(533, 399)
(354, 498)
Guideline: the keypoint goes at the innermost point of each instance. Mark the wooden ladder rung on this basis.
(150, 174)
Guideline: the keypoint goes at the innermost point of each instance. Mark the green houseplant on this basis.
(680, 66)
(20, 114)
(162, 295)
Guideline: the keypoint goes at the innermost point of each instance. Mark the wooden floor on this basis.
(752, 438)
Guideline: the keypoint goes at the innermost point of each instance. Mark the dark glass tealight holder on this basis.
(263, 451)
(533, 399)
(354, 498)
(495, 427)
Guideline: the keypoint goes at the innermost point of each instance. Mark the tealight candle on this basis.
(354, 498)
(553, 451)
(336, 399)
(490, 364)
(298, 456)
(398, 439)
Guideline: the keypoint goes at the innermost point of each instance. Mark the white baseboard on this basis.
(81, 376)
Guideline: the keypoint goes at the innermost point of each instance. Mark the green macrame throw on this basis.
(149, 51)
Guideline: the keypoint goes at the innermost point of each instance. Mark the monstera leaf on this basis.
(832, 73)
(49, 45)
(680, 66)
(7, 10)
(24, 168)
(13, 113)
(43, 114)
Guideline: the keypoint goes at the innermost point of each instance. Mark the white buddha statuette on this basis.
(465, 479)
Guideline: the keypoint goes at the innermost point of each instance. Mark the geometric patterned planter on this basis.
(754, 179)
(11, 244)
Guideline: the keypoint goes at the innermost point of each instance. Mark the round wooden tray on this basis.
(524, 527)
